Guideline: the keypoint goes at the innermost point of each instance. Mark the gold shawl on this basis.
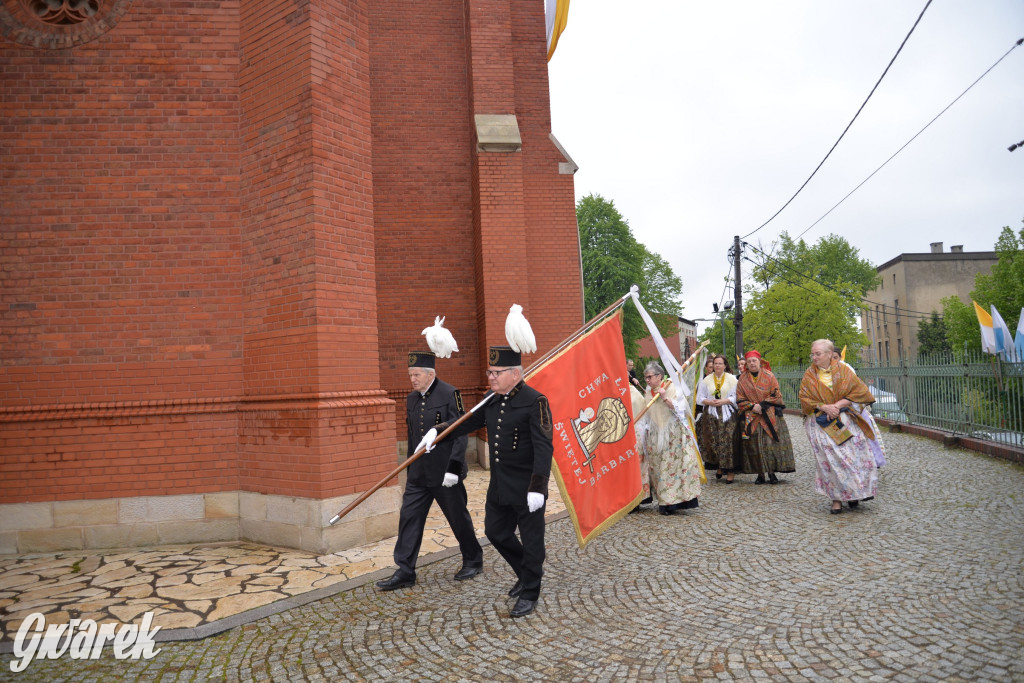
(845, 384)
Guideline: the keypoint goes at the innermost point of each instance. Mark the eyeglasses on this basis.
(651, 376)
(494, 373)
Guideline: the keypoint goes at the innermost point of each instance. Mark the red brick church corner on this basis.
(223, 228)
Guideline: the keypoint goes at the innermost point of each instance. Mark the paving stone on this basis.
(923, 583)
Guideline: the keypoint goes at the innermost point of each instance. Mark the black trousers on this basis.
(526, 557)
(412, 519)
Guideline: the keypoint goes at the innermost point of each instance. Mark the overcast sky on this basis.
(699, 120)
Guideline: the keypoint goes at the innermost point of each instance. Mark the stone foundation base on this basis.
(285, 521)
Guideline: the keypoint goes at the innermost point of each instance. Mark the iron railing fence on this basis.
(976, 395)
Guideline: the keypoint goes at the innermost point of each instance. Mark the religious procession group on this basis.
(733, 424)
(739, 429)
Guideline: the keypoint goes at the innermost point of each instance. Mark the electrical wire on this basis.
(1015, 46)
(846, 292)
(907, 313)
(822, 162)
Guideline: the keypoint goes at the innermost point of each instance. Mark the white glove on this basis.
(535, 501)
(450, 480)
(427, 441)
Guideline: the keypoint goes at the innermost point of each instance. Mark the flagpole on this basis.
(533, 368)
(682, 369)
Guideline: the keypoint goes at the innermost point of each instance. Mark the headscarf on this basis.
(754, 353)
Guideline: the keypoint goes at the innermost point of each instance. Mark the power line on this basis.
(847, 292)
(908, 313)
(822, 162)
(1015, 46)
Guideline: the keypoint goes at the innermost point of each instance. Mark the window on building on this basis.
(886, 350)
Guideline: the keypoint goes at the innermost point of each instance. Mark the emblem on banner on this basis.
(608, 425)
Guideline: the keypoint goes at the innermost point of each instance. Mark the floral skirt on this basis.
(846, 472)
(675, 472)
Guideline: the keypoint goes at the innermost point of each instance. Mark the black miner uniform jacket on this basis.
(441, 403)
(519, 431)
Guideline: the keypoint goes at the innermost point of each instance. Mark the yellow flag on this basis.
(988, 334)
(842, 355)
(556, 14)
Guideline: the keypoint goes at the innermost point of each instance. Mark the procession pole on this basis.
(682, 369)
(419, 453)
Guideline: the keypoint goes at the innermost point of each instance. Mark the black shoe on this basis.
(772, 479)
(647, 501)
(395, 582)
(728, 481)
(516, 590)
(759, 480)
(836, 511)
(853, 503)
(468, 573)
(718, 474)
(522, 608)
(636, 509)
(665, 511)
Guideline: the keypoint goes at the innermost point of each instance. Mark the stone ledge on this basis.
(284, 521)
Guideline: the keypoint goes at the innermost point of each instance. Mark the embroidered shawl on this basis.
(763, 389)
(845, 384)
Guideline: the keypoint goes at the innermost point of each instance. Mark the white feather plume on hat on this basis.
(439, 339)
(518, 331)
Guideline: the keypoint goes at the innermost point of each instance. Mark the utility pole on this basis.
(737, 319)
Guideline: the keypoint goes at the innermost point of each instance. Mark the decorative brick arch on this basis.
(58, 24)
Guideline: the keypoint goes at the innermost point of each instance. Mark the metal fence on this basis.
(976, 395)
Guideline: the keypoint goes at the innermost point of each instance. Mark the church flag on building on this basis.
(596, 458)
(988, 335)
(556, 14)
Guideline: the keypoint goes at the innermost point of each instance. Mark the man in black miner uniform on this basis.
(434, 476)
(519, 429)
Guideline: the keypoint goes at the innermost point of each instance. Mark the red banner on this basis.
(596, 459)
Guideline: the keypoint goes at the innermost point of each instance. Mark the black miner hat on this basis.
(421, 359)
(504, 357)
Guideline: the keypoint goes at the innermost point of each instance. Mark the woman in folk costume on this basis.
(840, 438)
(877, 445)
(716, 425)
(766, 441)
(669, 445)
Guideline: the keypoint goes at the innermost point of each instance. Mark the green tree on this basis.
(614, 261)
(783, 320)
(931, 336)
(831, 261)
(805, 293)
(1002, 287)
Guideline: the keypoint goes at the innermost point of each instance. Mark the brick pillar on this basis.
(502, 272)
(316, 428)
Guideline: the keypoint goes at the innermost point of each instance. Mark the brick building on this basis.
(224, 224)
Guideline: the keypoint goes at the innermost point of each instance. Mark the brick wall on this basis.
(225, 224)
(120, 285)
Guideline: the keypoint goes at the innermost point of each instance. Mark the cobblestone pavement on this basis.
(203, 589)
(923, 584)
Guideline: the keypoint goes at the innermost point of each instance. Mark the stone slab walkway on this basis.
(195, 591)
